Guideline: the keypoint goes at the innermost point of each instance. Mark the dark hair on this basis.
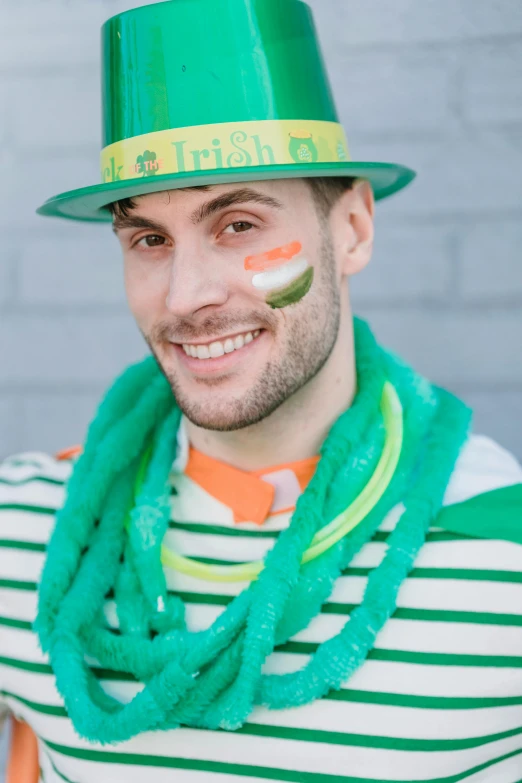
(325, 192)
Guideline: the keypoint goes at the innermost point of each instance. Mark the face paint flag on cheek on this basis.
(282, 273)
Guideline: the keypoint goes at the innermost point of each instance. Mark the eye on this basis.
(239, 226)
(152, 236)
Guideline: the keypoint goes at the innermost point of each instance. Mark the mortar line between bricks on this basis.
(8, 390)
(454, 244)
(449, 303)
(420, 304)
(52, 390)
(40, 70)
(11, 291)
(416, 304)
(455, 216)
(418, 45)
(486, 388)
(64, 154)
(84, 67)
(81, 309)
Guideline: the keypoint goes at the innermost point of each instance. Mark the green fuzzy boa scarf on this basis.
(213, 678)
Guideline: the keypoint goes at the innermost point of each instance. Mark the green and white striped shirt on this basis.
(438, 699)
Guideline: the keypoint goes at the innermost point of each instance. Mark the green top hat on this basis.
(213, 91)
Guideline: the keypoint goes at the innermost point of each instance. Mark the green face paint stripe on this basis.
(293, 292)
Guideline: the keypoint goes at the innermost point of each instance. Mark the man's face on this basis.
(236, 291)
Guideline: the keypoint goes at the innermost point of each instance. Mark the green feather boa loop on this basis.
(213, 678)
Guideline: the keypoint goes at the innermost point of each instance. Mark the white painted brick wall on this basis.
(492, 82)
(468, 348)
(53, 349)
(55, 111)
(398, 91)
(436, 84)
(491, 262)
(58, 417)
(409, 263)
(90, 272)
(403, 22)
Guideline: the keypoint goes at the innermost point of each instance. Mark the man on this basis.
(281, 553)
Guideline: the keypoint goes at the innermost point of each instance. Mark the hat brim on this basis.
(90, 203)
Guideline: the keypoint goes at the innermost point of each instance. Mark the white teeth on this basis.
(217, 348)
(203, 352)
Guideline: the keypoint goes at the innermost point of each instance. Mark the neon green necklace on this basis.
(330, 534)
(214, 678)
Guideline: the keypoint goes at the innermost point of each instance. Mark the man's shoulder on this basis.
(484, 495)
(32, 486)
(483, 466)
(32, 490)
(23, 468)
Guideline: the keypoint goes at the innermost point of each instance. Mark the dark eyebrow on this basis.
(241, 196)
(135, 221)
(204, 211)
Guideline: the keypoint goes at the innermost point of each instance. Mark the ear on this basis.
(352, 218)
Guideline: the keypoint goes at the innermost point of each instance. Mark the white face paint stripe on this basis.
(275, 278)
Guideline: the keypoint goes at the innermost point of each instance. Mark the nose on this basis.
(197, 280)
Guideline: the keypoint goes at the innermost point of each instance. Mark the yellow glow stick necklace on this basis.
(331, 533)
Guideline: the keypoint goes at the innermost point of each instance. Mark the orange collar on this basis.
(254, 495)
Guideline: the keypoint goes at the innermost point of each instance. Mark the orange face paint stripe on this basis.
(273, 257)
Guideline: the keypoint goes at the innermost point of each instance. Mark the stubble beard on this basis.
(309, 342)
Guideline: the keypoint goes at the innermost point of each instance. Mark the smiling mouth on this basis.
(219, 348)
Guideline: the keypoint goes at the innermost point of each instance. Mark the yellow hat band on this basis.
(224, 145)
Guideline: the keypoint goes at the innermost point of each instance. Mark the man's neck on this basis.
(298, 428)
